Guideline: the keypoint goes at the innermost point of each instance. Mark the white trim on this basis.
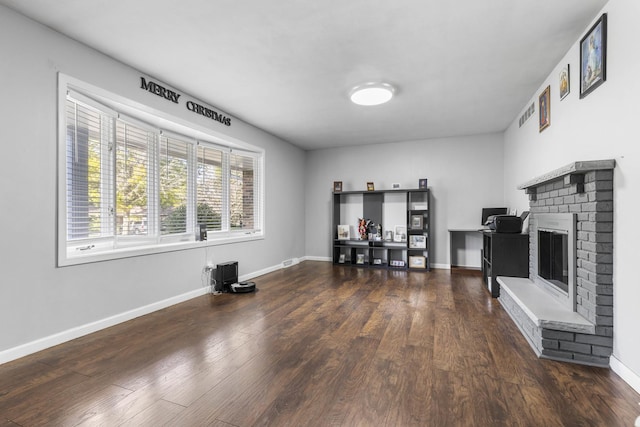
(157, 248)
(329, 259)
(441, 266)
(625, 373)
(316, 258)
(73, 333)
(459, 266)
(70, 334)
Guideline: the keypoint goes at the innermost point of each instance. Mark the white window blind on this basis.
(211, 184)
(243, 191)
(133, 158)
(89, 174)
(174, 185)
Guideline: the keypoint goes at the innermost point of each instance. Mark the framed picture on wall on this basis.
(593, 57)
(337, 186)
(564, 82)
(544, 110)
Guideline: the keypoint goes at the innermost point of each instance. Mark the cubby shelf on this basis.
(412, 253)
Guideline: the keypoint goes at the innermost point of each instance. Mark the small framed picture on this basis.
(544, 112)
(417, 222)
(395, 185)
(388, 235)
(564, 82)
(417, 262)
(360, 259)
(337, 186)
(342, 258)
(593, 57)
(343, 232)
(400, 233)
(418, 241)
(422, 183)
(377, 261)
(370, 186)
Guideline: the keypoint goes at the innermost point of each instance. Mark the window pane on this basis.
(209, 188)
(89, 138)
(173, 173)
(132, 161)
(241, 192)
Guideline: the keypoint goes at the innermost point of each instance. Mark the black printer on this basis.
(505, 223)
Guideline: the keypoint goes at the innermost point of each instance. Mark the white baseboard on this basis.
(441, 266)
(73, 333)
(625, 373)
(328, 259)
(251, 275)
(465, 267)
(70, 334)
(316, 258)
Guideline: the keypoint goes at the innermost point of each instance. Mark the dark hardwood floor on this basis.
(317, 345)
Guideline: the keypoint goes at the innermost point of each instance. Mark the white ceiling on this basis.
(460, 67)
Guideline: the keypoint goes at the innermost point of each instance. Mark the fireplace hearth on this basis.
(565, 308)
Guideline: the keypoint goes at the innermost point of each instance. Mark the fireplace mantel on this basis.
(570, 169)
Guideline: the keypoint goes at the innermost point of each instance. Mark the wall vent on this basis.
(289, 262)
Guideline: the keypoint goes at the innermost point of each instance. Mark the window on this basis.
(131, 187)
(242, 191)
(174, 185)
(134, 178)
(210, 188)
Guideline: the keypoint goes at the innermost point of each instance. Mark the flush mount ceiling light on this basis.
(371, 93)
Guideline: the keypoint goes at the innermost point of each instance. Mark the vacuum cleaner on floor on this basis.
(226, 279)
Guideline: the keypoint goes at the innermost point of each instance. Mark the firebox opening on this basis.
(553, 259)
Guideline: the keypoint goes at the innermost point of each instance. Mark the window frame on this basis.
(95, 249)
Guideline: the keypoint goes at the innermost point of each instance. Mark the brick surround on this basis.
(586, 189)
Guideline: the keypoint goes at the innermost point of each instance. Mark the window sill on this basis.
(66, 259)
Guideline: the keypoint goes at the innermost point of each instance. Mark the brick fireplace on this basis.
(580, 331)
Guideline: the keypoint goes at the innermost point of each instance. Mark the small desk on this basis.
(465, 247)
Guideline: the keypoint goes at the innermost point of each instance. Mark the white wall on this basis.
(465, 174)
(41, 304)
(603, 125)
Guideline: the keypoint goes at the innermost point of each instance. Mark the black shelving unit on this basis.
(383, 253)
(418, 229)
(503, 254)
